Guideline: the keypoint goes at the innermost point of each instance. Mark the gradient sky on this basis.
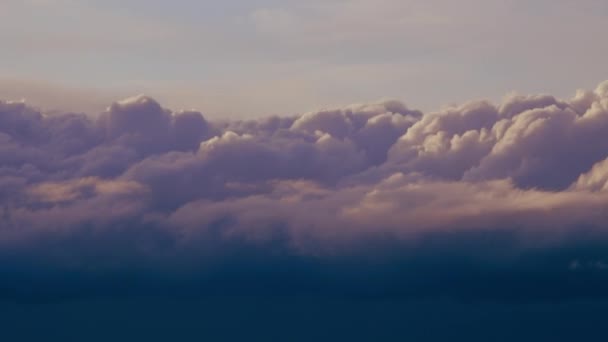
(261, 57)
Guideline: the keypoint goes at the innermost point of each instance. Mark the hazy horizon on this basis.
(257, 58)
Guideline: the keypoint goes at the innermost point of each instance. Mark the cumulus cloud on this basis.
(478, 186)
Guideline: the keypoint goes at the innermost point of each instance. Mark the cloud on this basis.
(78, 188)
(506, 194)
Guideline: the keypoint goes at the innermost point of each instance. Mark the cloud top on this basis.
(140, 188)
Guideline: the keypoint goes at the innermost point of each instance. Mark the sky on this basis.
(258, 58)
(303, 171)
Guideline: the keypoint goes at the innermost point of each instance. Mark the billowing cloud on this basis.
(509, 194)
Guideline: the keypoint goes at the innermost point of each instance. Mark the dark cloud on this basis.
(472, 201)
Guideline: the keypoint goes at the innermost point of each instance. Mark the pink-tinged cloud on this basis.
(142, 187)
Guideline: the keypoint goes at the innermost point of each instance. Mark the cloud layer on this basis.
(374, 199)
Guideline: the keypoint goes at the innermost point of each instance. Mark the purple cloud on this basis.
(140, 184)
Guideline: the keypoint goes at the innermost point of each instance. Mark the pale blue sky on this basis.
(259, 57)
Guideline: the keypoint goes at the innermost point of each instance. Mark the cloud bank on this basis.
(478, 200)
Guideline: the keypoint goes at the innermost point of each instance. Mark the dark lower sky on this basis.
(301, 319)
